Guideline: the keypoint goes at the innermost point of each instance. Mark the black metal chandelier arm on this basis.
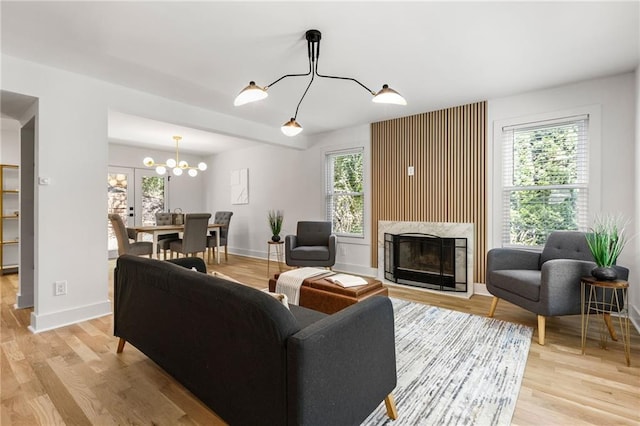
(291, 75)
(346, 78)
(303, 95)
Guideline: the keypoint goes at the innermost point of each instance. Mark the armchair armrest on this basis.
(342, 367)
(560, 285)
(502, 258)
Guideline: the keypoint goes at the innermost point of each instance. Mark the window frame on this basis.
(329, 157)
(505, 114)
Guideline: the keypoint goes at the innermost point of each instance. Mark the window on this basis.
(545, 180)
(345, 198)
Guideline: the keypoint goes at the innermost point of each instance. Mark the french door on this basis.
(136, 195)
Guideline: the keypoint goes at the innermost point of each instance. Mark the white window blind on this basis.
(545, 179)
(344, 193)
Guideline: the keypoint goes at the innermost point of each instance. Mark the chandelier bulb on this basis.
(183, 164)
(251, 93)
(388, 96)
(161, 170)
(193, 172)
(291, 128)
(148, 161)
(171, 163)
(177, 171)
(202, 167)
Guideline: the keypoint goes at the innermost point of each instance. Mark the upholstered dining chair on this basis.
(194, 237)
(313, 245)
(546, 283)
(124, 246)
(220, 218)
(163, 218)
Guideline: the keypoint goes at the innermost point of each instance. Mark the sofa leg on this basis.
(121, 343)
(541, 328)
(492, 309)
(390, 404)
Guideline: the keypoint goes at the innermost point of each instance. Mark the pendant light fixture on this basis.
(253, 92)
(176, 165)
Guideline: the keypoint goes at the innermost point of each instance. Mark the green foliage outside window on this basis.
(545, 191)
(345, 196)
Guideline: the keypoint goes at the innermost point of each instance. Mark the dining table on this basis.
(156, 230)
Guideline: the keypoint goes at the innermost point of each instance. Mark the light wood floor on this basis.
(73, 376)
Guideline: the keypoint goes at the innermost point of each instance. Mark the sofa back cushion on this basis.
(566, 245)
(223, 341)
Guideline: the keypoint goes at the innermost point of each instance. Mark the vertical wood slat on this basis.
(448, 151)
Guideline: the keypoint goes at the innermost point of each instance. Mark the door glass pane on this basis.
(117, 185)
(152, 198)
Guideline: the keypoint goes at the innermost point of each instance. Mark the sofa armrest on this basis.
(290, 242)
(190, 263)
(560, 285)
(502, 258)
(342, 367)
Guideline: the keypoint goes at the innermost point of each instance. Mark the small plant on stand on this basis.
(606, 240)
(275, 217)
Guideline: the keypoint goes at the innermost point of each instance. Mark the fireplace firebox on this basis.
(427, 261)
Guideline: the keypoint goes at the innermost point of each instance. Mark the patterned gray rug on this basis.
(455, 368)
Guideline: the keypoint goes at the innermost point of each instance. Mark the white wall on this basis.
(72, 150)
(184, 192)
(9, 141)
(289, 180)
(612, 186)
(634, 296)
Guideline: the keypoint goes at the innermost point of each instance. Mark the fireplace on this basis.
(427, 261)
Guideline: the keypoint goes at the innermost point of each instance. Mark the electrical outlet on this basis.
(411, 171)
(60, 288)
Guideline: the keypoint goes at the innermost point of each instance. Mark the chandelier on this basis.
(176, 165)
(253, 92)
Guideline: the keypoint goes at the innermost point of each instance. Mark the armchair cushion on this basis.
(524, 282)
(313, 233)
(310, 253)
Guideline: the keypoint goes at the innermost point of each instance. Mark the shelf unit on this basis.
(9, 218)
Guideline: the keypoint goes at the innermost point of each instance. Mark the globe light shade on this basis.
(388, 96)
(177, 171)
(251, 93)
(193, 172)
(202, 167)
(148, 161)
(291, 128)
(171, 163)
(161, 170)
(183, 164)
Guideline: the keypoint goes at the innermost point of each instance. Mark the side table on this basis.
(604, 298)
(277, 245)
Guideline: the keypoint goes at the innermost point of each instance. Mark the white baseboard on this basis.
(51, 320)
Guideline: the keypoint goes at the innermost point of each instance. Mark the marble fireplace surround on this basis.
(440, 229)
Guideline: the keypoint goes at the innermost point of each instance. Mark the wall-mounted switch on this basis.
(44, 180)
(410, 171)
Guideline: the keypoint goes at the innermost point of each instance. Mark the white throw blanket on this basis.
(289, 282)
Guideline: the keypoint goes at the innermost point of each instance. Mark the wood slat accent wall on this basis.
(447, 148)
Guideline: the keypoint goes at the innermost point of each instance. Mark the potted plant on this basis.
(275, 218)
(606, 240)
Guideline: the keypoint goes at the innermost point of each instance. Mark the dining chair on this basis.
(194, 237)
(124, 246)
(164, 240)
(220, 218)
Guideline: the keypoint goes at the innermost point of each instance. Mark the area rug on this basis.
(454, 368)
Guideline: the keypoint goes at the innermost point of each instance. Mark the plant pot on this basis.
(604, 273)
(275, 238)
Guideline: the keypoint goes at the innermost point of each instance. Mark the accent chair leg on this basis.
(492, 309)
(541, 329)
(121, 343)
(390, 404)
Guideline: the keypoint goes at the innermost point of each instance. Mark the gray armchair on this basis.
(313, 245)
(547, 283)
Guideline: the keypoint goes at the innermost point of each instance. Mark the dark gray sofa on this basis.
(248, 357)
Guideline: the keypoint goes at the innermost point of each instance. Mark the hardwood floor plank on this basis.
(73, 375)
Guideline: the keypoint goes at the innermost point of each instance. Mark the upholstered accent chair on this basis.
(165, 239)
(194, 237)
(220, 218)
(546, 283)
(124, 245)
(313, 245)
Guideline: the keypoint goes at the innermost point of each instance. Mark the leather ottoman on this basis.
(322, 295)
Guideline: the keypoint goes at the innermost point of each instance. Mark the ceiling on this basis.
(436, 54)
